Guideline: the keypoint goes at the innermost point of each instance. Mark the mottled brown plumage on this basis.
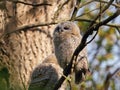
(66, 38)
(45, 75)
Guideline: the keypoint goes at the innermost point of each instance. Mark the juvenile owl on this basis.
(66, 38)
(46, 74)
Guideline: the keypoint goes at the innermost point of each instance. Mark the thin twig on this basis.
(86, 12)
(76, 9)
(28, 27)
(88, 20)
(118, 30)
(92, 38)
(116, 5)
(107, 6)
(109, 76)
(102, 11)
(30, 4)
(86, 3)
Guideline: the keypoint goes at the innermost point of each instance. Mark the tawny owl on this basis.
(66, 38)
(45, 75)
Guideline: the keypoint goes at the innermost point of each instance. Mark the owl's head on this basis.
(66, 28)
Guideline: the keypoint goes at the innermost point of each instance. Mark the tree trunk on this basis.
(23, 50)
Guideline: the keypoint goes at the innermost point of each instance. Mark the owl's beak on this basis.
(60, 30)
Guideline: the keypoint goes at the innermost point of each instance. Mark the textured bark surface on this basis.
(22, 51)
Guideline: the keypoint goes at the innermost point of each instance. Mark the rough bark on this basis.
(22, 51)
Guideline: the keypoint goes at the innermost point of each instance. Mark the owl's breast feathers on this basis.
(65, 50)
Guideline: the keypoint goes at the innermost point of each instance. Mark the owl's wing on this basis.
(81, 75)
(81, 69)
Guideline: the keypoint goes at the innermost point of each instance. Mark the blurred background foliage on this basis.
(104, 50)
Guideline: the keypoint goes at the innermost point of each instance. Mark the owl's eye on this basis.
(66, 28)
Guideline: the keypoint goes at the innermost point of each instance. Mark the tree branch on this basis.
(76, 9)
(102, 11)
(30, 4)
(23, 28)
(86, 3)
(92, 38)
(88, 20)
(116, 5)
(118, 30)
(109, 76)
